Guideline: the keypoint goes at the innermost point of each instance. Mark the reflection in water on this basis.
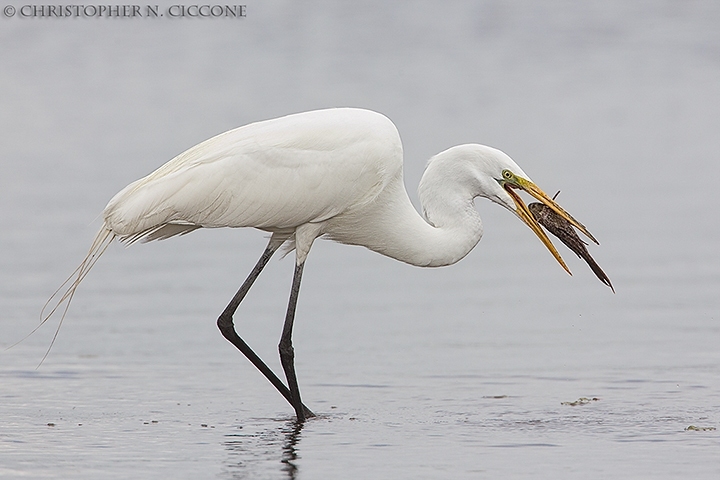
(289, 452)
(255, 447)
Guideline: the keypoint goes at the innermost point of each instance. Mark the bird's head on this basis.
(510, 178)
(490, 173)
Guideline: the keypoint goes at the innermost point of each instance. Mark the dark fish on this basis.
(563, 230)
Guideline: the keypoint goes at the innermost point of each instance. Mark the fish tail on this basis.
(597, 270)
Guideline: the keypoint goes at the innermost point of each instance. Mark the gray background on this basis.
(457, 372)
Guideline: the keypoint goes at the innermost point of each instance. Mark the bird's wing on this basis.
(273, 175)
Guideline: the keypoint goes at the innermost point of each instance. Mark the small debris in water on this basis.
(693, 428)
(565, 232)
(495, 397)
(580, 401)
(50, 424)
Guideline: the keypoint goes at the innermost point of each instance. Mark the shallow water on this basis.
(459, 372)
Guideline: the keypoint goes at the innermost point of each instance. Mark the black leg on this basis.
(227, 328)
(287, 352)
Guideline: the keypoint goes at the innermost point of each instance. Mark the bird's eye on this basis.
(507, 174)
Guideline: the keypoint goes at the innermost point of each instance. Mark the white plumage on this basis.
(274, 175)
(336, 172)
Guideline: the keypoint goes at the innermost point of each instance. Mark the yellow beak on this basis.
(524, 212)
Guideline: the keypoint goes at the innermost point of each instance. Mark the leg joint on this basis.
(226, 325)
(286, 349)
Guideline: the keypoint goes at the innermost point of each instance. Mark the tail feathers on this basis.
(62, 302)
(160, 232)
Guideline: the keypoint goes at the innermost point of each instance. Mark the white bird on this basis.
(336, 173)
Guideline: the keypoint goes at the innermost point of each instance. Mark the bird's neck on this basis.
(453, 228)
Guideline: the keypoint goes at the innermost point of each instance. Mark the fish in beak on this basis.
(512, 182)
(565, 232)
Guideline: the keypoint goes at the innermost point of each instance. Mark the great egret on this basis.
(336, 173)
